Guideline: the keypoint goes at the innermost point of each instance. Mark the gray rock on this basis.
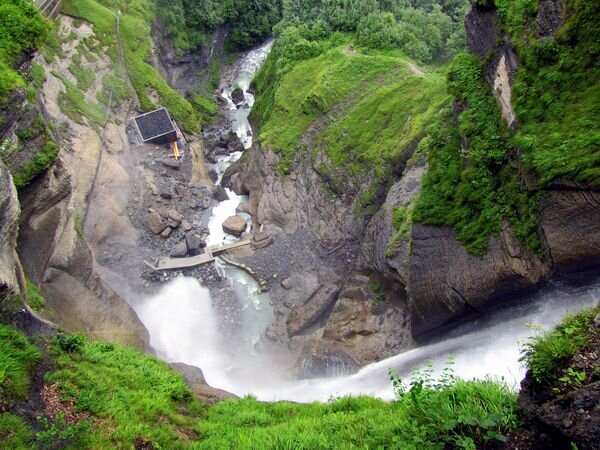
(257, 245)
(166, 232)
(243, 208)
(445, 281)
(286, 283)
(234, 225)
(180, 250)
(155, 222)
(194, 243)
(235, 146)
(221, 151)
(171, 163)
(549, 18)
(185, 225)
(571, 223)
(309, 313)
(220, 194)
(175, 216)
(237, 96)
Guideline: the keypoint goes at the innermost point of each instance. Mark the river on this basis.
(184, 326)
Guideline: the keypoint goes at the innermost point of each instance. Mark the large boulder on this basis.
(369, 326)
(194, 378)
(312, 309)
(238, 96)
(194, 243)
(234, 225)
(155, 222)
(319, 360)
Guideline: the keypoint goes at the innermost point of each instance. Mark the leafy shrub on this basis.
(546, 352)
(72, 343)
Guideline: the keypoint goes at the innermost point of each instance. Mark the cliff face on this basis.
(9, 224)
(50, 211)
(187, 72)
(426, 273)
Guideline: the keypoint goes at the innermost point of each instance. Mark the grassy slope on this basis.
(135, 35)
(118, 396)
(366, 107)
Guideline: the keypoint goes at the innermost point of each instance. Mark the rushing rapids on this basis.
(184, 327)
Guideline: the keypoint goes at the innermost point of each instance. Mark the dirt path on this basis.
(414, 69)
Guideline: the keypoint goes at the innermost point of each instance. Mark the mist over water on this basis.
(184, 328)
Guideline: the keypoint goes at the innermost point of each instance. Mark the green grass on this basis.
(133, 395)
(73, 103)
(402, 223)
(40, 161)
(17, 356)
(124, 396)
(15, 433)
(546, 352)
(430, 419)
(205, 106)
(379, 108)
(85, 77)
(118, 87)
(38, 74)
(36, 299)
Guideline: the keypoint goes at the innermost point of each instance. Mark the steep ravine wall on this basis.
(429, 278)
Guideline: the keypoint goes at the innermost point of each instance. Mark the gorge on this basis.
(402, 210)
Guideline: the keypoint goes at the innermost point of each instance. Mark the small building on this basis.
(156, 127)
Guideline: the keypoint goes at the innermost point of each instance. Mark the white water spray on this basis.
(184, 329)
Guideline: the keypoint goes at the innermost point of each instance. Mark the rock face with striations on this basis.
(436, 280)
(58, 259)
(9, 224)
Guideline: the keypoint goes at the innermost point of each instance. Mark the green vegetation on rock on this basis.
(40, 161)
(474, 187)
(557, 92)
(22, 29)
(547, 352)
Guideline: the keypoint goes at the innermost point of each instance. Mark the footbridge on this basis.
(210, 253)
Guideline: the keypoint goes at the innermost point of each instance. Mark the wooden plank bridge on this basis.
(210, 253)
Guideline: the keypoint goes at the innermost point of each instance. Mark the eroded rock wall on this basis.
(424, 272)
